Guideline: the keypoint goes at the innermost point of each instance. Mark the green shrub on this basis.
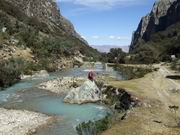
(10, 72)
(160, 46)
(94, 127)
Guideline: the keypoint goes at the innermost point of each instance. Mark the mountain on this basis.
(106, 48)
(46, 12)
(35, 36)
(159, 30)
(40, 20)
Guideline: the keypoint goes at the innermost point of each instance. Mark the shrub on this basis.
(9, 72)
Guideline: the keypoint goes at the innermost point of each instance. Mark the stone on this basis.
(4, 29)
(19, 122)
(86, 93)
(40, 74)
(61, 85)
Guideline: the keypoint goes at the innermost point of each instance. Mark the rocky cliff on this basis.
(164, 14)
(47, 12)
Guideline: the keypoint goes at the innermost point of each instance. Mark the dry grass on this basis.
(153, 117)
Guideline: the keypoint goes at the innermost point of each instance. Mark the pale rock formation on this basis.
(86, 93)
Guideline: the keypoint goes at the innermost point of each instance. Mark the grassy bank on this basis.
(134, 71)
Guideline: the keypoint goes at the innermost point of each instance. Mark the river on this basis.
(25, 96)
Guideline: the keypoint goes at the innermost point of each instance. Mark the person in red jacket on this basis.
(91, 76)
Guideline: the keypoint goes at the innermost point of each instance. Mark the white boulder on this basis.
(86, 93)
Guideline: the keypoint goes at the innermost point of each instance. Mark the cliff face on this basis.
(164, 14)
(35, 36)
(46, 11)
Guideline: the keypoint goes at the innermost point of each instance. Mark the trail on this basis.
(156, 93)
(164, 86)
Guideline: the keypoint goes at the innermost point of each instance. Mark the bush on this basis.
(94, 127)
(10, 72)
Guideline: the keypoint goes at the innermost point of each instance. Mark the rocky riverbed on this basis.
(16, 122)
(62, 85)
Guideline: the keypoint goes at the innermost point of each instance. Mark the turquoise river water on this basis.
(25, 96)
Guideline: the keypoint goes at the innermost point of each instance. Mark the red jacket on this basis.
(91, 75)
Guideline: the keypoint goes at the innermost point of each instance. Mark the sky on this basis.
(105, 22)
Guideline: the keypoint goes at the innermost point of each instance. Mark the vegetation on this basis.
(130, 72)
(160, 47)
(28, 29)
(116, 55)
(47, 45)
(11, 70)
(94, 128)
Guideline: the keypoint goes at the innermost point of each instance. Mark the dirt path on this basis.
(153, 117)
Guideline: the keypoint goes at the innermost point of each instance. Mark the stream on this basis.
(25, 96)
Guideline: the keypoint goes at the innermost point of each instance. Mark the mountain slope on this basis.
(35, 36)
(46, 12)
(41, 18)
(159, 31)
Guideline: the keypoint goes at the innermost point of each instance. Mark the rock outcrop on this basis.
(47, 12)
(164, 14)
(62, 85)
(86, 93)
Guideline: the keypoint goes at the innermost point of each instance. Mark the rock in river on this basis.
(88, 92)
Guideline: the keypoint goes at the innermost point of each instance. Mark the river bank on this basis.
(136, 103)
(25, 95)
(17, 122)
(155, 115)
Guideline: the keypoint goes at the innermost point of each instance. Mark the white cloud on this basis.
(123, 37)
(103, 4)
(112, 37)
(95, 37)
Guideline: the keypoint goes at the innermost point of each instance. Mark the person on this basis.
(91, 76)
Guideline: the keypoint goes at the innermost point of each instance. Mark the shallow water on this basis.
(23, 95)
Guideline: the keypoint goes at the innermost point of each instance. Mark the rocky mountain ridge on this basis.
(164, 14)
(46, 11)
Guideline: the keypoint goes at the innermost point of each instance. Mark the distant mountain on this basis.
(106, 48)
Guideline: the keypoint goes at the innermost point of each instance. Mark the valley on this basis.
(54, 81)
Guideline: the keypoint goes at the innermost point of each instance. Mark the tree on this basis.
(116, 55)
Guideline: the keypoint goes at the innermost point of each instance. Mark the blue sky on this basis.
(105, 22)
